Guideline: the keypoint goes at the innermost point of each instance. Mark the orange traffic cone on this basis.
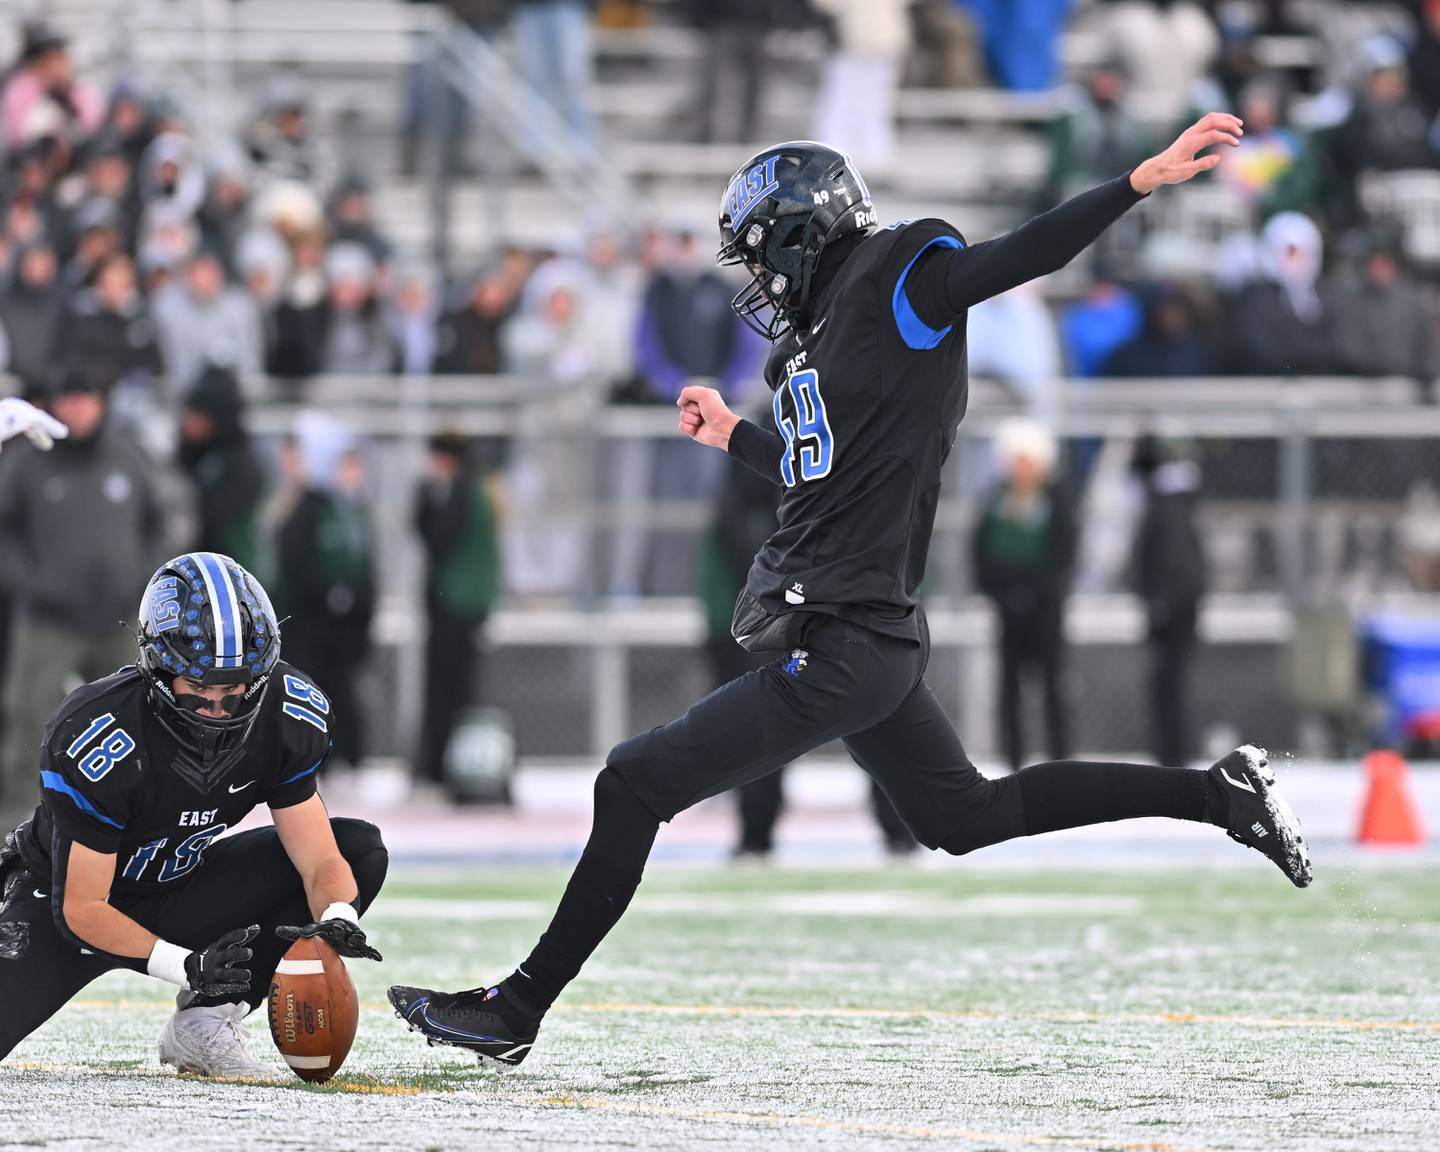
(1390, 815)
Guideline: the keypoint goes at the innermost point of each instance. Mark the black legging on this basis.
(868, 691)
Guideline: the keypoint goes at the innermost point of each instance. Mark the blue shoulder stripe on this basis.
(302, 775)
(914, 331)
(56, 783)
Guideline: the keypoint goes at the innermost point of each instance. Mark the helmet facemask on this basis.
(781, 211)
(205, 619)
(778, 282)
(209, 746)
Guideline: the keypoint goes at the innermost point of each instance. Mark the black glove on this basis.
(346, 937)
(219, 969)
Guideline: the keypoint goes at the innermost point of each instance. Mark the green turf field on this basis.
(941, 1006)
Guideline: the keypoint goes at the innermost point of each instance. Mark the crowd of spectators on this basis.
(1201, 285)
(1314, 269)
(152, 275)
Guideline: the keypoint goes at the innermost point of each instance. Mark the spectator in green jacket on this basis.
(1024, 554)
(455, 516)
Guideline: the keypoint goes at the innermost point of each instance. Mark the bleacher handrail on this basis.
(390, 406)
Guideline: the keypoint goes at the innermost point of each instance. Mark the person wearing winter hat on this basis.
(1279, 324)
(1024, 555)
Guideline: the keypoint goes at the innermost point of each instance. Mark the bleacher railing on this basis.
(1315, 492)
(1312, 489)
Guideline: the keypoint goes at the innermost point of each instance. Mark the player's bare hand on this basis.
(705, 417)
(1181, 160)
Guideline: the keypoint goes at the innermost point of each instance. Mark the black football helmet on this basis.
(780, 212)
(205, 618)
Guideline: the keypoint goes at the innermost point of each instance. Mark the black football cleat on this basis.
(1244, 800)
(471, 1020)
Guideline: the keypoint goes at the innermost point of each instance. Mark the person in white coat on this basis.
(856, 109)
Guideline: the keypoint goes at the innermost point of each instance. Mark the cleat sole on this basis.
(1287, 825)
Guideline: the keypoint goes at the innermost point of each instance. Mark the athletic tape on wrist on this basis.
(338, 911)
(167, 962)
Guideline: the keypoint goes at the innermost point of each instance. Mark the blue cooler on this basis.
(1402, 669)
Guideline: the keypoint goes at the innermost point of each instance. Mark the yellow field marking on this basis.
(864, 1127)
(365, 1086)
(781, 1012)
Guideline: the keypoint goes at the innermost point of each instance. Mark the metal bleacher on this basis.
(965, 153)
(974, 155)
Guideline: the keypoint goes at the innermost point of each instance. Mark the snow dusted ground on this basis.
(1120, 1000)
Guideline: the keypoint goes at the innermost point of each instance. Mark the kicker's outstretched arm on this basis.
(947, 281)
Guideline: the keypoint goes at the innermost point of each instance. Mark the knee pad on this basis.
(360, 843)
(624, 827)
(613, 795)
(356, 838)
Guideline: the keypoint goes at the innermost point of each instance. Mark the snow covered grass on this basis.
(1166, 1009)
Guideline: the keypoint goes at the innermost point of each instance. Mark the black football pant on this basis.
(245, 879)
(760, 801)
(848, 684)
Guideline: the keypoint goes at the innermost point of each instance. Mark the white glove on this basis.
(17, 416)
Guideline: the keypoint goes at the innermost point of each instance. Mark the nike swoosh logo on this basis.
(41, 895)
(815, 331)
(1242, 783)
(241, 787)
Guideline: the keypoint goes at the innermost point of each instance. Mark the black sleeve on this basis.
(298, 787)
(757, 449)
(86, 773)
(305, 740)
(947, 280)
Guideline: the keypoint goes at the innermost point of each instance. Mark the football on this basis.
(313, 1010)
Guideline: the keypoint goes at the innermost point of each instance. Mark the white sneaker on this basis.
(212, 1042)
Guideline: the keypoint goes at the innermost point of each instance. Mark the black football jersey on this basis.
(105, 781)
(867, 404)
